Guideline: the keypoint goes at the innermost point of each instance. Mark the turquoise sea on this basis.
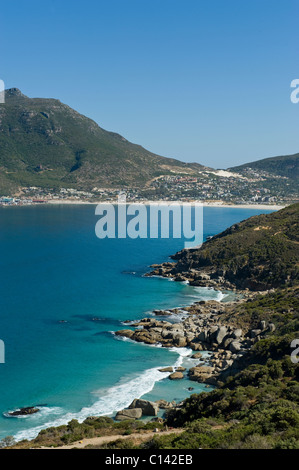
(63, 292)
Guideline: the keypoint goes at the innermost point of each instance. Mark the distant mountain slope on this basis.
(287, 165)
(259, 253)
(44, 142)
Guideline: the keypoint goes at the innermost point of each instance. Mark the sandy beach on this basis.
(273, 207)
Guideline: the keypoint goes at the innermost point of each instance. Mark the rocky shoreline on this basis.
(204, 328)
(217, 279)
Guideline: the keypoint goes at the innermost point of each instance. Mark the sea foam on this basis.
(111, 400)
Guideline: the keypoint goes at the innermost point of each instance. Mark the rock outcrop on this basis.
(29, 410)
(122, 415)
(149, 408)
(203, 329)
(176, 376)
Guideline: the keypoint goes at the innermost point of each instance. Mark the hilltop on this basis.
(287, 166)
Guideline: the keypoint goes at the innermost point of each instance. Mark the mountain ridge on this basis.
(45, 143)
(274, 165)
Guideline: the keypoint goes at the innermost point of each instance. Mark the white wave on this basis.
(43, 412)
(120, 396)
(129, 323)
(220, 296)
(111, 400)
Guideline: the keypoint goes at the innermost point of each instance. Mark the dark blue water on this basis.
(62, 292)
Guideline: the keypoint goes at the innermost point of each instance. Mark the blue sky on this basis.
(198, 80)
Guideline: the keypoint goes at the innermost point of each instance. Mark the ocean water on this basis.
(63, 292)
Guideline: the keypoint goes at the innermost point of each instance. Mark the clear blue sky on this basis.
(199, 80)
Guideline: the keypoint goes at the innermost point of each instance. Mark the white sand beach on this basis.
(273, 207)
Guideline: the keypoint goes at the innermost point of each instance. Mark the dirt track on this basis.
(95, 441)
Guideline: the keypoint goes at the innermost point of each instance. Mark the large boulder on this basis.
(203, 336)
(166, 369)
(126, 333)
(227, 342)
(197, 355)
(28, 410)
(144, 336)
(180, 341)
(176, 376)
(213, 332)
(129, 414)
(220, 334)
(200, 373)
(196, 346)
(149, 408)
(237, 333)
(163, 404)
(235, 346)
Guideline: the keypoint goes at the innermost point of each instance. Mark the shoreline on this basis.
(204, 204)
(207, 370)
(230, 355)
(271, 207)
(176, 365)
(206, 328)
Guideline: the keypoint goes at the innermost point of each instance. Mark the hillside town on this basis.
(250, 187)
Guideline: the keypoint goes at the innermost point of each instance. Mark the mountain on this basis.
(287, 166)
(45, 143)
(259, 253)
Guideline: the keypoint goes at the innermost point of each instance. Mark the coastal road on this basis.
(97, 441)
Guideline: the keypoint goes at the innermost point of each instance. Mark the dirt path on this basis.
(138, 437)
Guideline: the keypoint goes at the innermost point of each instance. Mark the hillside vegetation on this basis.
(45, 143)
(287, 165)
(259, 253)
(258, 407)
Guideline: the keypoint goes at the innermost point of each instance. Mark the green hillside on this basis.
(258, 406)
(259, 253)
(287, 165)
(45, 143)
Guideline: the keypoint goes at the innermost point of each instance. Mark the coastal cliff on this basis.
(258, 254)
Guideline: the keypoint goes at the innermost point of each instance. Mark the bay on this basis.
(63, 292)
